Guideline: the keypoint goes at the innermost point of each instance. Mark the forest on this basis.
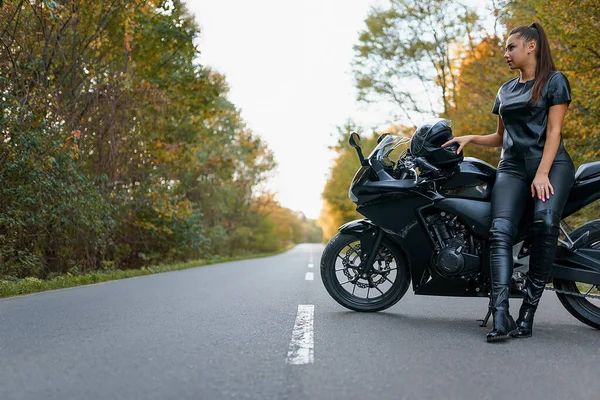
(119, 150)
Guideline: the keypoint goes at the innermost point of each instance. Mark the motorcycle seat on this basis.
(587, 170)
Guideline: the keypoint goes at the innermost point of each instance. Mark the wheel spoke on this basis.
(591, 287)
(388, 279)
(348, 281)
(379, 290)
(346, 267)
(340, 269)
(354, 288)
(383, 271)
(368, 290)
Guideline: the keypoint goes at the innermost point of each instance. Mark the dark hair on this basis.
(545, 64)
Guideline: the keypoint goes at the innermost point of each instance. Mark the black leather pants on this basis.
(512, 191)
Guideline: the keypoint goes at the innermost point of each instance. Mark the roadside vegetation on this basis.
(120, 151)
(30, 285)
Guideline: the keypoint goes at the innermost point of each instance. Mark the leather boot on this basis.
(534, 288)
(525, 321)
(501, 266)
(504, 324)
(543, 250)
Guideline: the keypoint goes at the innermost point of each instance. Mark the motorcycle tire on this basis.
(580, 307)
(334, 287)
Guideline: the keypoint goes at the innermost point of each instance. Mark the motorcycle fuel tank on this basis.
(474, 179)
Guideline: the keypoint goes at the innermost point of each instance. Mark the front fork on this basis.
(369, 247)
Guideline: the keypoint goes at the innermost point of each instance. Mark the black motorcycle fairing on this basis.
(587, 170)
(440, 286)
(378, 190)
(401, 218)
(583, 192)
(477, 214)
(482, 166)
(357, 227)
(365, 191)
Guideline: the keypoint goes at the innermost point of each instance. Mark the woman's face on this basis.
(516, 52)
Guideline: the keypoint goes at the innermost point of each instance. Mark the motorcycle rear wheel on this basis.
(389, 279)
(584, 310)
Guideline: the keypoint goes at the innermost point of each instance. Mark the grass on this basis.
(585, 287)
(35, 285)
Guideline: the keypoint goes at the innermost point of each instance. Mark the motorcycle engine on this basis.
(456, 253)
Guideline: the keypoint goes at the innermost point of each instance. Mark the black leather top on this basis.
(525, 124)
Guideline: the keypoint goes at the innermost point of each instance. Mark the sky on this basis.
(288, 66)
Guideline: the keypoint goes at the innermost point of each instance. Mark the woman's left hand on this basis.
(541, 185)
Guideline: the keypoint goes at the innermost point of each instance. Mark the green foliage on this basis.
(14, 287)
(406, 54)
(482, 72)
(51, 214)
(117, 149)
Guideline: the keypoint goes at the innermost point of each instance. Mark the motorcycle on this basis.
(431, 227)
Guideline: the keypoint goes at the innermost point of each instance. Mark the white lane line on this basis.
(302, 347)
(309, 276)
(311, 265)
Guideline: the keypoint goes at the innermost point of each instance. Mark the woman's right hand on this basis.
(461, 140)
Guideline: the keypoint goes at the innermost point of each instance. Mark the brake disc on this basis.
(381, 267)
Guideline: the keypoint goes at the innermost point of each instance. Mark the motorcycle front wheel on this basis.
(382, 288)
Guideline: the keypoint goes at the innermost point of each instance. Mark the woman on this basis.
(531, 110)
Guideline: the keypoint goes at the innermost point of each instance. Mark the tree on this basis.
(408, 54)
(481, 74)
(117, 149)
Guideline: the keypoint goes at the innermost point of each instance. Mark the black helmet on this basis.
(428, 139)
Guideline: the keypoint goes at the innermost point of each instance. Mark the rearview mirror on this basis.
(355, 141)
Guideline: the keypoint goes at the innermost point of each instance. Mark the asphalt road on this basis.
(231, 331)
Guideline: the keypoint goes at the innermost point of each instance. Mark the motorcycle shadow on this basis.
(414, 324)
(460, 326)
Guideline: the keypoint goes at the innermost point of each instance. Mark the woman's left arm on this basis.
(556, 116)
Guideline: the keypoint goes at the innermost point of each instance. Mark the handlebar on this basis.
(424, 164)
